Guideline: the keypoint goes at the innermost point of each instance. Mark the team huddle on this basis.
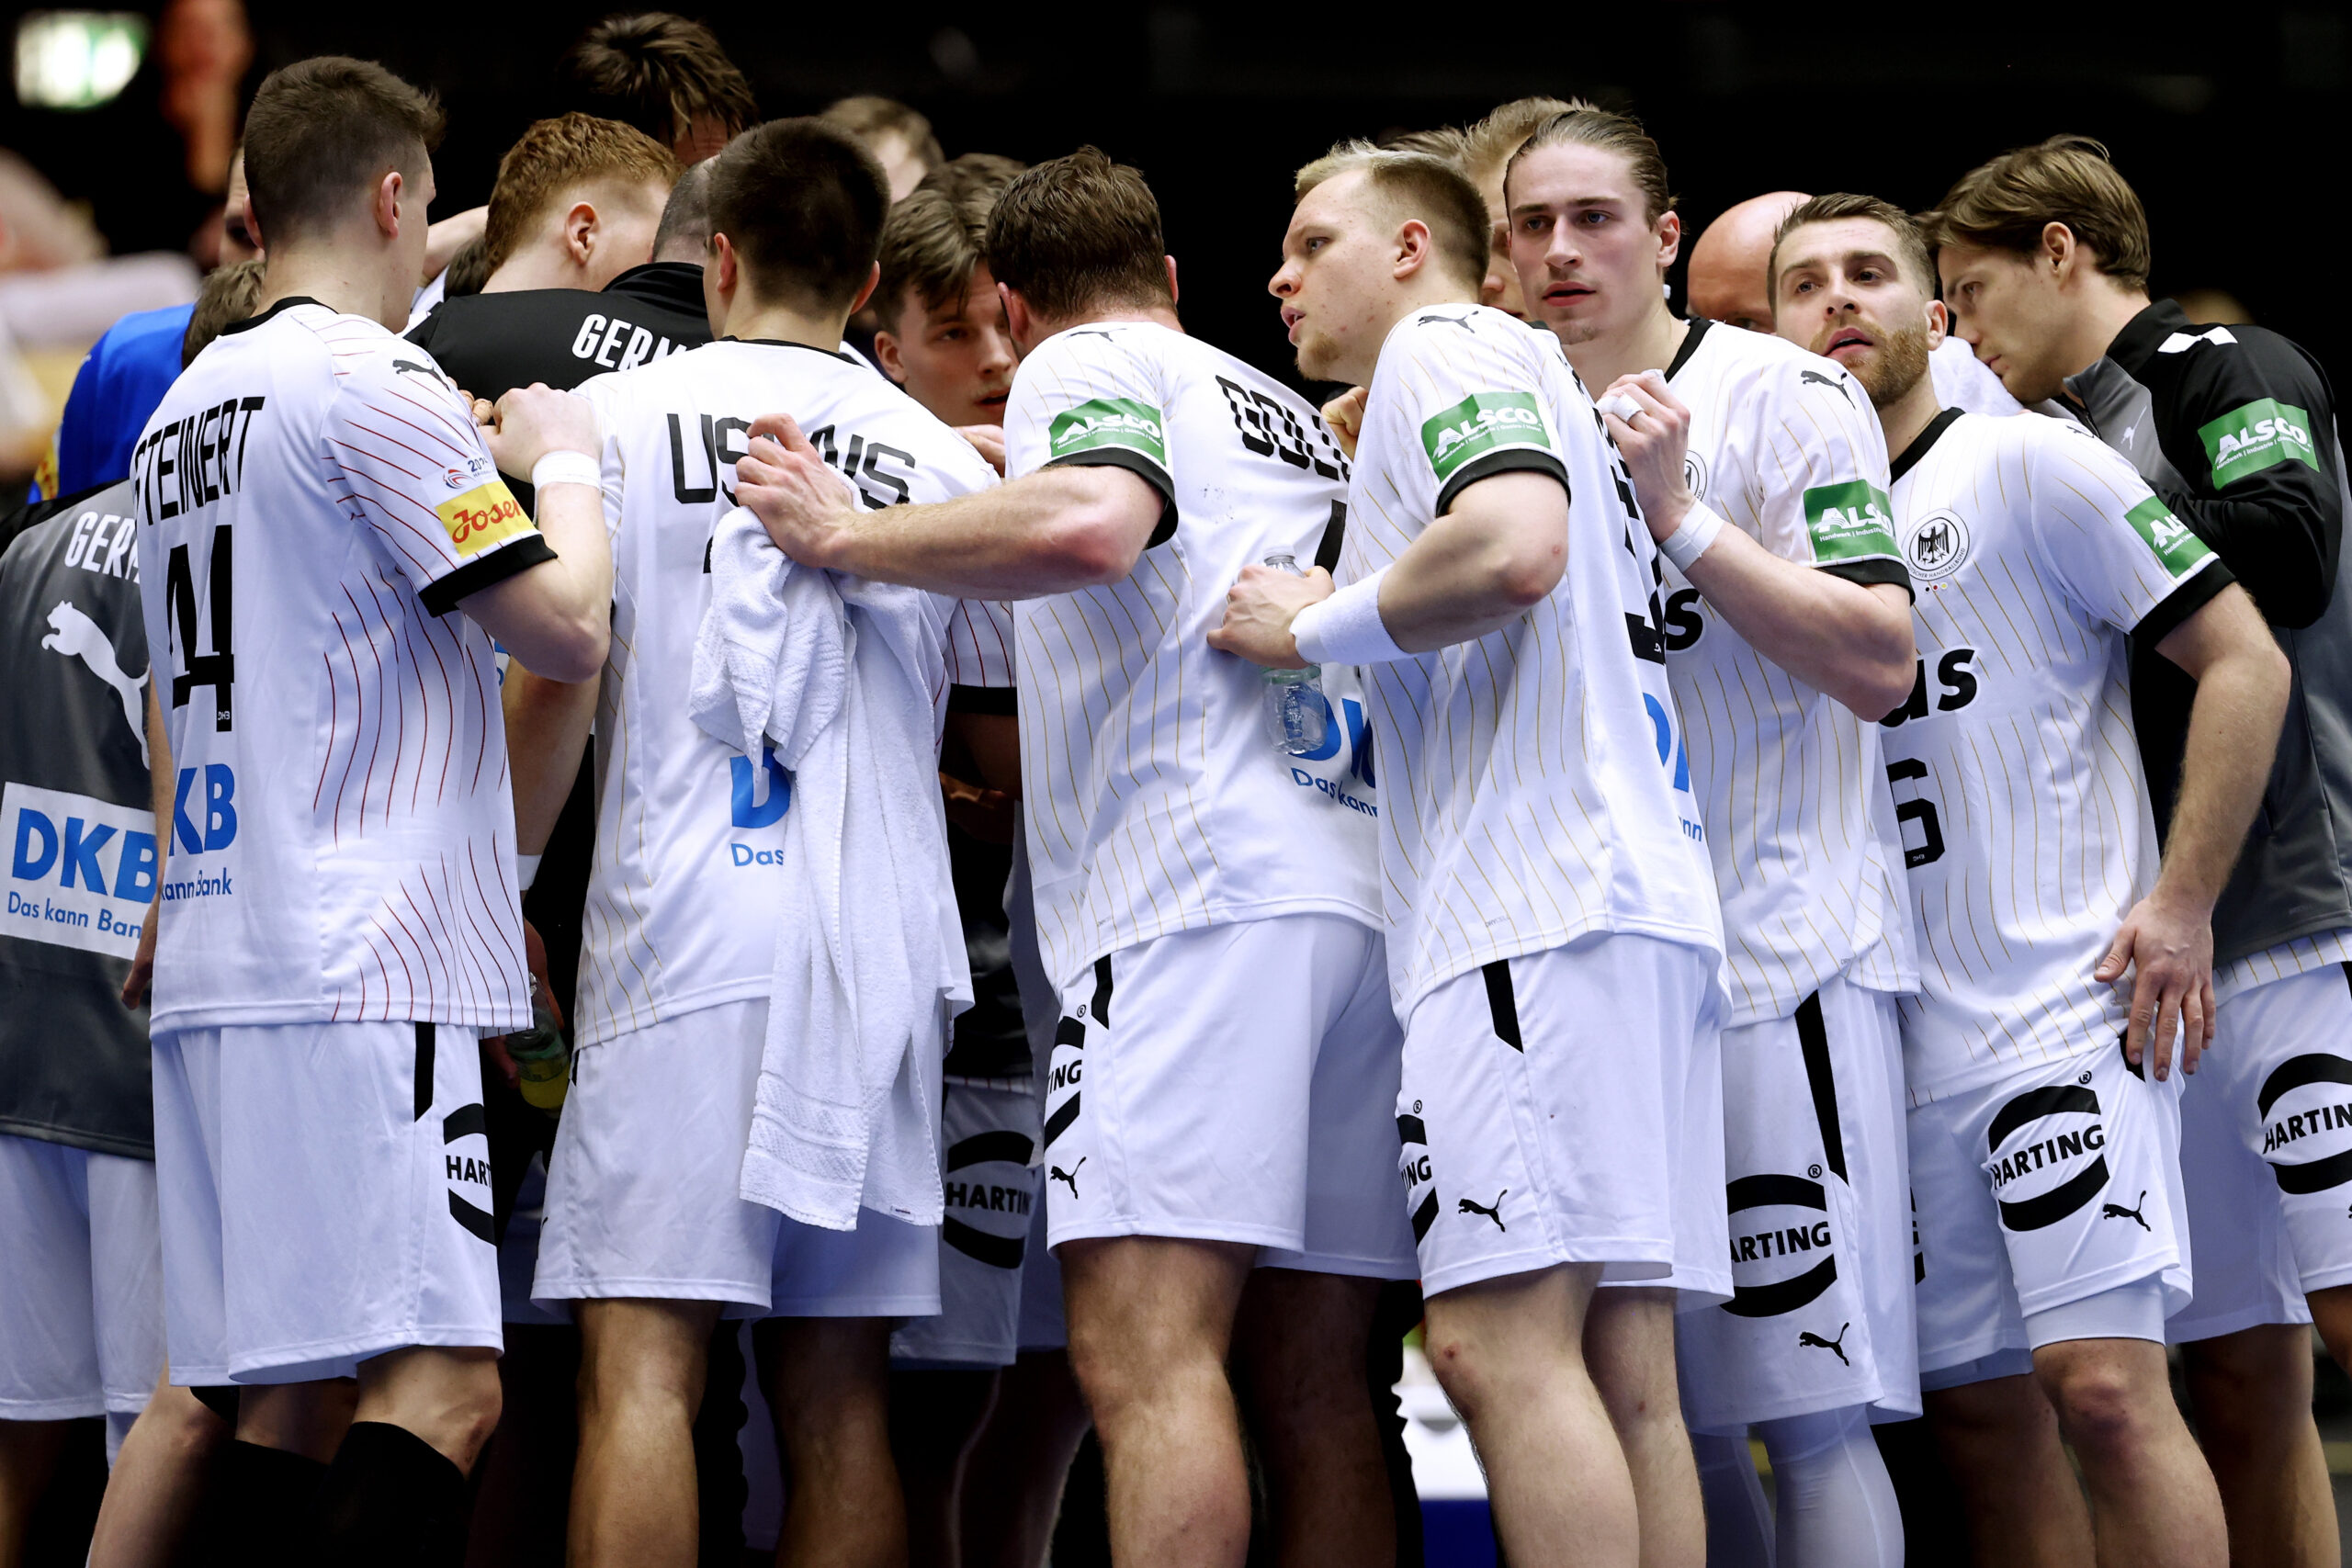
(1714, 852)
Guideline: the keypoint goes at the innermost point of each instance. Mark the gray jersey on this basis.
(75, 829)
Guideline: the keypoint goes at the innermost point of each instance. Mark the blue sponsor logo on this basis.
(1359, 743)
(219, 807)
(81, 871)
(766, 808)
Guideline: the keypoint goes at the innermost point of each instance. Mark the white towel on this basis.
(869, 959)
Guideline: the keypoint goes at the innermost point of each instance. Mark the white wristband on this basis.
(1346, 628)
(526, 870)
(1687, 543)
(567, 469)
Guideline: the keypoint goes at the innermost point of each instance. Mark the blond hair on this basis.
(1416, 184)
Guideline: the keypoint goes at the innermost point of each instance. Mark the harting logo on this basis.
(1795, 1215)
(2044, 1155)
(2302, 1099)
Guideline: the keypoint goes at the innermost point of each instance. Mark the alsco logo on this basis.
(2250, 439)
(484, 516)
(1109, 422)
(2168, 536)
(1854, 521)
(1480, 424)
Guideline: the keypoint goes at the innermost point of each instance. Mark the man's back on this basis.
(1157, 803)
(491, 344)
(314, 500)
(688, 840)
(1538, 789)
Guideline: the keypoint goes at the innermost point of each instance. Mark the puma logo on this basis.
(1493, 1212)
(76, 636)
(1831, 382)
(2117, 1212)
(1461, 320)
(1057, 1173)
(1808, 1340)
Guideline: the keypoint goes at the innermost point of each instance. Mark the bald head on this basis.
(1729, 264)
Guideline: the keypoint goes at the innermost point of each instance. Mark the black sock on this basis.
(260, 1508)
(391, 1500)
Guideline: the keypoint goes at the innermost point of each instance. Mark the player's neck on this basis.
(343, 278)
(1905, 418)
(1158, 315)
(533, 269)
(1649, 344)
(2106, 309)
(758, 322)
(1425, 291)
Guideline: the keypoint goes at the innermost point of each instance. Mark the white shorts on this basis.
(2266, 1144)
(644, 1197)
(992, 1175)
(1240, 1090)
(2041, 1190)
(82, 1286)
(1542, 1105)
(324, 1190)
(1819, 1195)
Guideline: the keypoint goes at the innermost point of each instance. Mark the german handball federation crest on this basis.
(1937, 548)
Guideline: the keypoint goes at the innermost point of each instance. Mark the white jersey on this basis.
(1784, 445)
(313, 502)
(1156, 801)
(681, 910)
(1538, 789)
(1963, 381)
(2036, 552)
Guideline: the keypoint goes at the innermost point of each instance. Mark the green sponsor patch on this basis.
(2247, 440)
(1853, 521)
(1480, 424)
(2168, 536)
(1109, 422)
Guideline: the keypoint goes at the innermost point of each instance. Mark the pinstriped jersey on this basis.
(1785, 446)
(1538, 786)
(1156, 802)
(314, 500)
(2036, 554)
(681, 910)
(2325, 950)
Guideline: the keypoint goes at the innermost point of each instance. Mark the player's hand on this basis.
(798, 499)
(989, 815)
(494, 1046)
(135, 986)
(531, 422)
(1344, 414)
(1259, 610)
(1653, 438)
(988, 440)
(2170, 951)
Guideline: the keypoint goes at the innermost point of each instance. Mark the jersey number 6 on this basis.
(1923, 812)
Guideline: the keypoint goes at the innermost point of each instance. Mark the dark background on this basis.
(2232, 128)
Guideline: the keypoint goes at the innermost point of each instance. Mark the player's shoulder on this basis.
(1766, 373)
(1117, 347)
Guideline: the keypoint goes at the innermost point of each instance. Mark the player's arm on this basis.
(2242, 681)
(556, 616)
(1062, 528)
(1852, 639)
(1499, 549)
(160, 777)
(546, 732)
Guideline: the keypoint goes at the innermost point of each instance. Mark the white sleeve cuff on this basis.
(1346, 628)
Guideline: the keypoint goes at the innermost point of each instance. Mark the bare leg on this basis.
(1999, 1439)
(1509, 1353)
(633, 1495)
(2332, 1315)
(306, 1419)
(1629, 1344)
(2253, 1392)
(1151, 1324)
(935, 1416)
(158, 1480)
(1012, 1483)
(2153, 1504)
(1299, 1349)
(28, 1452)
(829, 1385)
(447, 1396)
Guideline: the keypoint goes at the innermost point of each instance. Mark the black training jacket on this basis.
(2234, 426)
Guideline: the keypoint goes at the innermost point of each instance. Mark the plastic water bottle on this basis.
(542, 1061)
(1298, 720)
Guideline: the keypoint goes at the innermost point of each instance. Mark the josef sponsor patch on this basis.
(1103, 422)
(1854, 521)
(1480, 424)
(81, 871)
(2168, 536)
(2248, 440)
(482, 518)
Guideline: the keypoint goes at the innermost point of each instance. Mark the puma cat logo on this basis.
(1493, 1212)
(2117, 1212)
(76, 636)
(1808, 1340)
(1057, 1173)
(1833, 384)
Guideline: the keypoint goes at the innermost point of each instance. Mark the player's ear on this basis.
(253, 226)
(1017, 318)
(873, 276)
(1171, 278)
(887, 355)
(1939, 324)
(384, 203)
(580, 231)
(2057, 248)
(1412, 248)
(1669, 238)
